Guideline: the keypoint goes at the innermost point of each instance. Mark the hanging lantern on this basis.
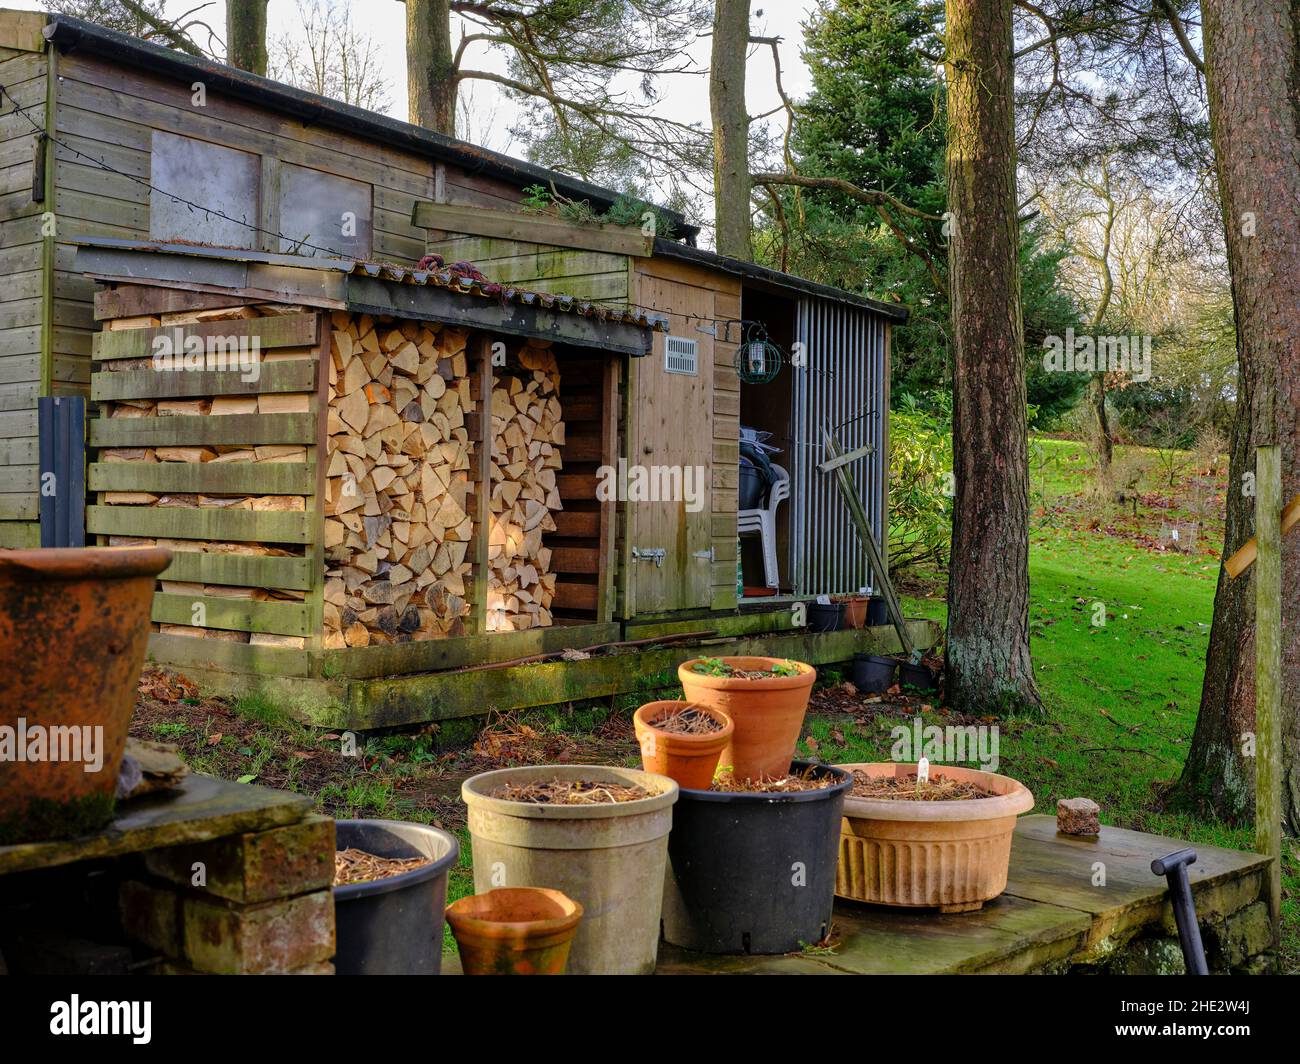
(758, 360)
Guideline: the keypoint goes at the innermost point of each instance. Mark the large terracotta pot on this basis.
(952, 856)
(768, 713)
(73, 629)
(514, 931)
(688, 759)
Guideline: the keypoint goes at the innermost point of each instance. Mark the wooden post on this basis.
(480, 432)
(1268, 669)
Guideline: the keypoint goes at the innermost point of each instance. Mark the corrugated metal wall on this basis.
(843, 387)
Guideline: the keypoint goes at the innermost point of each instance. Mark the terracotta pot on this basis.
(952, 856)
(855, 612)
(768, 713)
(515, 931)
(688, 759)
(73, 629)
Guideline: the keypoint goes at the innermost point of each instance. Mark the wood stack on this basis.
(527, 434)
(397, 530)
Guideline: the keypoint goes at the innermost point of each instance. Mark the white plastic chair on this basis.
(763, 522)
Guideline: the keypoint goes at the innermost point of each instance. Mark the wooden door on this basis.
(673, 438)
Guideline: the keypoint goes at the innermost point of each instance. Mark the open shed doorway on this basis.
(767, 419)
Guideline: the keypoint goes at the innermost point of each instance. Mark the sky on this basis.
(685, 96)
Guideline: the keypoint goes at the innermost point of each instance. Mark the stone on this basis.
(1150, 956)
(1240, 937)
(1078, 816)
(279, 936)
(151, 916)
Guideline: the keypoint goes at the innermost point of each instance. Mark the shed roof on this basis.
(456, 293)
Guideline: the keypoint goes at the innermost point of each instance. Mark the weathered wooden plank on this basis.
(241, 570)
(190, 651)
(24, 507)
(572, 524)
(572, 596)
(289, 330)
(295, 375)
(230, 429)
(22, 30)
(207, 478)
(167, 522)
(575, 560)
(232, 615)
(533, 228)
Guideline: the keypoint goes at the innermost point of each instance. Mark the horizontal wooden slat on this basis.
(576, 485)
(533, 228)
(168, 522)
(240, 570)
(582, 448)
(575, 596)
(233, 615)
(575, 560)
(234, 657)
(575, 525)
(207, 478)
(229, 429)
(581, 408)
(296, 375)
(289, 330)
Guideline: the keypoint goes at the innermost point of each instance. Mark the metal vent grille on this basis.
(681, 356)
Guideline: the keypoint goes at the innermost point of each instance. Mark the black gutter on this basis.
(775, 279)
(70, 34)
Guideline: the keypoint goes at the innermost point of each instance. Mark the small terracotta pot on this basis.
(689, 759)
(855, 612)
(953, 856)
(768, 713)
(515, 931)
(73, 628)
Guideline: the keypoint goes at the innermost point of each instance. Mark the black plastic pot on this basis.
(825, 617)
(873, 674)
(752, 488)
(877, 611)
(753, 873)
(393, 926)
(922, 677)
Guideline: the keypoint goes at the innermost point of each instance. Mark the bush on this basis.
(920, 478)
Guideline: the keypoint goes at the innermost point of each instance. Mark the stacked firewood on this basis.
(398, 524)
(527, 434)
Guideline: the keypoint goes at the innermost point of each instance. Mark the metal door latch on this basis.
(650, 554)
(704, 555)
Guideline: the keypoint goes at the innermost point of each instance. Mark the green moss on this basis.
(40, 819)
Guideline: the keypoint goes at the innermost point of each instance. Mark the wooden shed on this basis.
(205, 200)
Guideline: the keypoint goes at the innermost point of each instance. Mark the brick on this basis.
(151, 916)
(1078, 816)
(264, 866)
(278, 936)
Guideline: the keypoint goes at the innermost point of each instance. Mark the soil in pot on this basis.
(945, 844)
(873, 674)
(607, 855)
(514, 931)
(389, 895)
(765, 698)
(682, 741)
(73, 629)
(753, 871)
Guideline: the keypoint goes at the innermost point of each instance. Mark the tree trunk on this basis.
(1252, 58)
(731, 182)
(430, 67)
(987, 649)
(246, 35)
(1101, 423)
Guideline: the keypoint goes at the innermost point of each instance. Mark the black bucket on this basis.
(873, 674)
(393, 926)
(753, 873)
(921, 677)
(825, 616)
(877, 612)
(752, 488)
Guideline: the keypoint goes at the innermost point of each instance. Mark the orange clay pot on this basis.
(73, 629)
(855, 611)
(689, 759)
(514, 931)
(768, 713)
(951, 856)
